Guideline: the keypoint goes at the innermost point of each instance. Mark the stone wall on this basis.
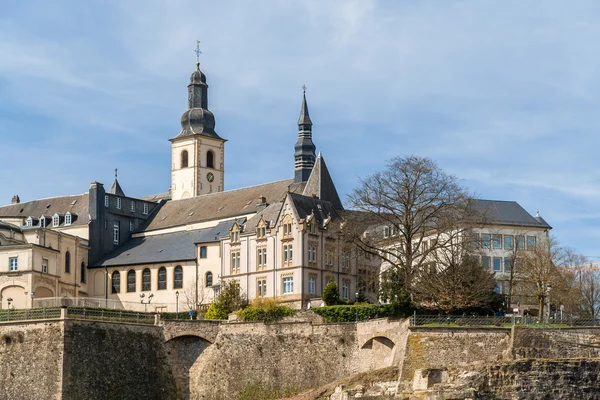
(556, 343)
(31, 361)
(282, 358)
(436, 348)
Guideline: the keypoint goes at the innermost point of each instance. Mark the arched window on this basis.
(116, 282)
(146, 280)
(68, 262)
(178, 277)
(208, 279)
(184, 159)
(162, 278)
(131, 281)
(210, 159)
(82, 272)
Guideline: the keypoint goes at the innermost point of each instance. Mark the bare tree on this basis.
(193, 298)
(412, 206)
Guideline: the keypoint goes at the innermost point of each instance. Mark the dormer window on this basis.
(29, 221)
(235, 236)
(55, 220)
(261, 230)
(68, 218)
(118, 203)
(287, 226)
(386, 232)
(42, 222)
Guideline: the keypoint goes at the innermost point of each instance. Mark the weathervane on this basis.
(116, 170)
(304, 87)
(198, 52)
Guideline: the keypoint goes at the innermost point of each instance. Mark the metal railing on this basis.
(94, 314)
(28, 315)
(500, 321)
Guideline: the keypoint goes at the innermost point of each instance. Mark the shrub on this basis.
(230, 299)
(360, 312)
(331, 294)
(267, 310)
(216, 311)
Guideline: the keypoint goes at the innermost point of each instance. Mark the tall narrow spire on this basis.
(304, 154)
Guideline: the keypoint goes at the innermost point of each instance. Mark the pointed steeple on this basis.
(320, 184)
(304, 154)
(116, 188)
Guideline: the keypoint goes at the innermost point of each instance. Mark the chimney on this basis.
(15, 199)
(261, 203)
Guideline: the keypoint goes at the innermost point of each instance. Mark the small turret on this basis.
(304, 154)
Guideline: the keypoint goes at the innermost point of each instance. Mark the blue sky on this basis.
(503, 94)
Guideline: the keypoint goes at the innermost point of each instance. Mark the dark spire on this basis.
(304, 154)
(198, 120)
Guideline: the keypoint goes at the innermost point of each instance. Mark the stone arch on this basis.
(377, 352)
(14, 292)
(42, 291)
(183, 351)
(384, 341)
(180, 334)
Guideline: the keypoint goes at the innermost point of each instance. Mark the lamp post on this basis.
(145, 303)
(177, 304)
(356, 305)
(32, 298)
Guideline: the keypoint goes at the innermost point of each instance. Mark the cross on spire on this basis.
(116, 171)
(198, 52)
(304, 87)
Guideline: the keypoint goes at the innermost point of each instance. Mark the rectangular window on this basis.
(476, 240)
(312, 283)
(497, 241)
(485, 263)
(106, 201)
(132, 206)
(288, 285)
(105, 224)
(507, 264)
(145, 208)
(261, 287)
(13, 264)
(530, 242)
(508, 242)
(345, 290)
(116, 233)
(233, 259)
(285, 254)
(485, 240)
(386, 232)
(131, 225)
(497, 264)
(520, 242)
(45, 265)
(202, 251)
(118, 203)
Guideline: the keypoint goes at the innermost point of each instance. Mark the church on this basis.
(170, 252)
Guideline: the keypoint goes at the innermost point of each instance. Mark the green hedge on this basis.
(360, 312)
(181, 315)
(266, 314)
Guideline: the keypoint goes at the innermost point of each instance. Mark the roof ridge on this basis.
(234, 190)
(45, 198)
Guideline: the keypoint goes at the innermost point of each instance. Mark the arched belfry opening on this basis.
(210, 159)
(184, 159)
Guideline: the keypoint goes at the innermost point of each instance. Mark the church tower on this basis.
(304, 151)
(197, 152)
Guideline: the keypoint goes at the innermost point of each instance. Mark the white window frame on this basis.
(119, 203)
(386, 232)
(29, 221)
(345, 290)
(55, 220)
(42, 222)
(132, 206)
(106, 201)
(145, 211)
(312, 285)
(288, 285)
(44, 265)
(68, 219)
(116, 235)
(131, 225)
(13, 263)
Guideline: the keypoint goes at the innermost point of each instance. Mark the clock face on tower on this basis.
(210, 177)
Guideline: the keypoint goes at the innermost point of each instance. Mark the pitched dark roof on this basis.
(306, 205)
(270, 213)
(77, 205)
(229, 204)
(10, 227)
(507, 213)
(176, 246)
(320, 184)
(116, 189)
(304, 117)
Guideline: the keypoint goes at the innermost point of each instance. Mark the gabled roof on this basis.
(229, 204)
(270, 213)
(116, 189)
(305, 206)
(507, 213)
(321, 185)
(77, 205)
(176, 246)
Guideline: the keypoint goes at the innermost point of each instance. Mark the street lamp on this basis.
(356, 305)
(145, 303)
(9, 300)
(177, 305)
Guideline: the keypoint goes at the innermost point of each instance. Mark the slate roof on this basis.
(270, 213)
(306, 205)
(77, 205)
(168, 247)
(116, 189)
(228, 204)
(321, 184)
(10, 227)
(508, 213)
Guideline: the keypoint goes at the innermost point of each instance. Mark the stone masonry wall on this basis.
(276, 359)
(443, 347)
(31, 358)
(115, 361)
(556, 343)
